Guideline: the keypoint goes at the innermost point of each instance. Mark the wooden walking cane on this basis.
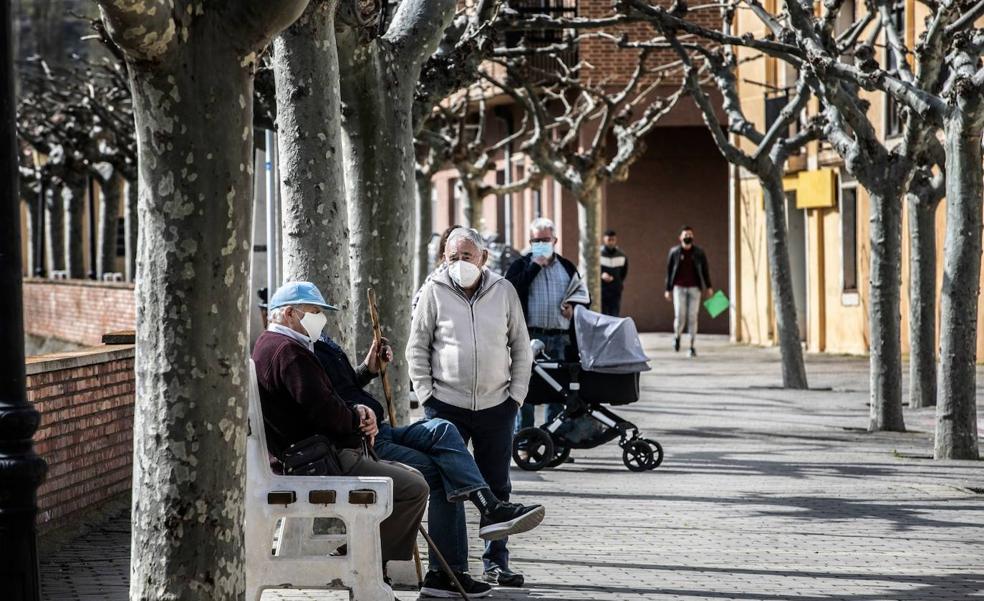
(377, 336)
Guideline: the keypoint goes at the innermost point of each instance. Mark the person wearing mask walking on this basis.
(614, 270)
(686, 276)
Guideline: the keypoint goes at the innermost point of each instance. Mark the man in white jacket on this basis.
(470, 362)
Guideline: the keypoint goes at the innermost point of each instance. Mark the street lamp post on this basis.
(21, 470)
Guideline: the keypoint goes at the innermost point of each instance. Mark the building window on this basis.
(893, 111)
(121, 236)
(537, 204)
(849, 238)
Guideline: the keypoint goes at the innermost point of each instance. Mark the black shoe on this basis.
(438, 584)
(693, 352)
(503, 577)
(676, 345)
(510, 518)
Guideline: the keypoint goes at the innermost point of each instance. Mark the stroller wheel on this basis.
(657, 451)
(638, 455)
(560, 456)
(532, 449)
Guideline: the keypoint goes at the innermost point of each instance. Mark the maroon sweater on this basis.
(297, 398)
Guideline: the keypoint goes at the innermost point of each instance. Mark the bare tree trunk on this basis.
(424, 228)
(784, 305)
(378, 79)
(956, 410)
(130, 226)
(589, 253)
(109, 210)
(55, 230)
(474, 208)
(922, 299)
(884, 312)
(315, 216)
(379, 168)
(73, 196)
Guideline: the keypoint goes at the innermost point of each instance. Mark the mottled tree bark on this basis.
(55, 228)
(130, 224)
(315, 217)
(956, 411)
(784, 304)
(922, 299)
(191, 70)
(589, 228)
(378, 78)
(884, 312)
(73, 197)
(109, 210)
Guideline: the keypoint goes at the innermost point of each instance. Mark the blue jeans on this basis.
(436, 449)
(491, 432)
(556, 348)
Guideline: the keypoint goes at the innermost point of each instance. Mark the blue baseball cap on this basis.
(299, 293)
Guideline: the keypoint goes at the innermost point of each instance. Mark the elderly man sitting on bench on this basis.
(299, 402)
(436, 449)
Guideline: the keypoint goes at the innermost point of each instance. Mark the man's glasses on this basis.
(532, 240)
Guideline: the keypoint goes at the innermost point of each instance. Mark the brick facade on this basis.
(86, 403)
(79, 311)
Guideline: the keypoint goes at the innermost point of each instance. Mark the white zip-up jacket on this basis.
(471, 354)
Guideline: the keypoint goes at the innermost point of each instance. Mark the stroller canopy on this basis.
(608, 344)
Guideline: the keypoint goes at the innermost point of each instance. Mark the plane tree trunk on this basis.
(191, 70)
(315, 214)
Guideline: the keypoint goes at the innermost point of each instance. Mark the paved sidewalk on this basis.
(765, 495)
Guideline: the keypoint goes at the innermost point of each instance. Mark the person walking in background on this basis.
(543, 279)
(686, 276)
(614, 270)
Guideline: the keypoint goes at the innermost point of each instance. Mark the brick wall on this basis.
(615, 64)
(86, 403)
(79, 311)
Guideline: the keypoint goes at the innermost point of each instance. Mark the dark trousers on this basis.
(491, 432)
(611, 304)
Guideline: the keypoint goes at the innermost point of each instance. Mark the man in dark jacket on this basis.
(435, 448)
(614, 271)
(686, 276)
(299, 401)
(542, 280)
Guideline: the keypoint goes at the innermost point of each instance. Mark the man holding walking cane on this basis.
(434, 448)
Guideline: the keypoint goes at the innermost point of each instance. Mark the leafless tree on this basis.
(587, 131)
(191, 70)
(767, 161)
(942, 90)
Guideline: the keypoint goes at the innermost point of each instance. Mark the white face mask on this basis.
(463, 273)
(313, 323)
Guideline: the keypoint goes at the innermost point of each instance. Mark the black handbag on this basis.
(313, 456)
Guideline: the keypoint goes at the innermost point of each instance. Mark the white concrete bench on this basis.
(292, 503)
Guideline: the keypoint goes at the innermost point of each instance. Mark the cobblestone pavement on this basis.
(765, 495)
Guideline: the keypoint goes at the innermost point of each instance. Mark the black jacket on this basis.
(347, 381)
(700, 262)
(522, 273)
(616, 264)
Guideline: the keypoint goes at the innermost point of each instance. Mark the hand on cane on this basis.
(367, 423)
(379, 354)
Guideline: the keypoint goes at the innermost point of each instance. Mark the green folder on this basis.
(717, 304)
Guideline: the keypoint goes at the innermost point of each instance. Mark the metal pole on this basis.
(92, 228)
(39, 230)
(21, 470)
(271, 217)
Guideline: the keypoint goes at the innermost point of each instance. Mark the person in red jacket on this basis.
(686, 276)
(299, 401)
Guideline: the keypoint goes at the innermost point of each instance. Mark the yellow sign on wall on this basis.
(814, 189)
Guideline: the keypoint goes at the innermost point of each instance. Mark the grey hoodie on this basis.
(470, 354)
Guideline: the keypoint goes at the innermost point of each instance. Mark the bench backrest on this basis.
(257, 455)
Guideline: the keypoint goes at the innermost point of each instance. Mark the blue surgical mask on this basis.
(542, 249)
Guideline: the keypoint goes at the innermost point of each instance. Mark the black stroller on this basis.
(611, 359)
